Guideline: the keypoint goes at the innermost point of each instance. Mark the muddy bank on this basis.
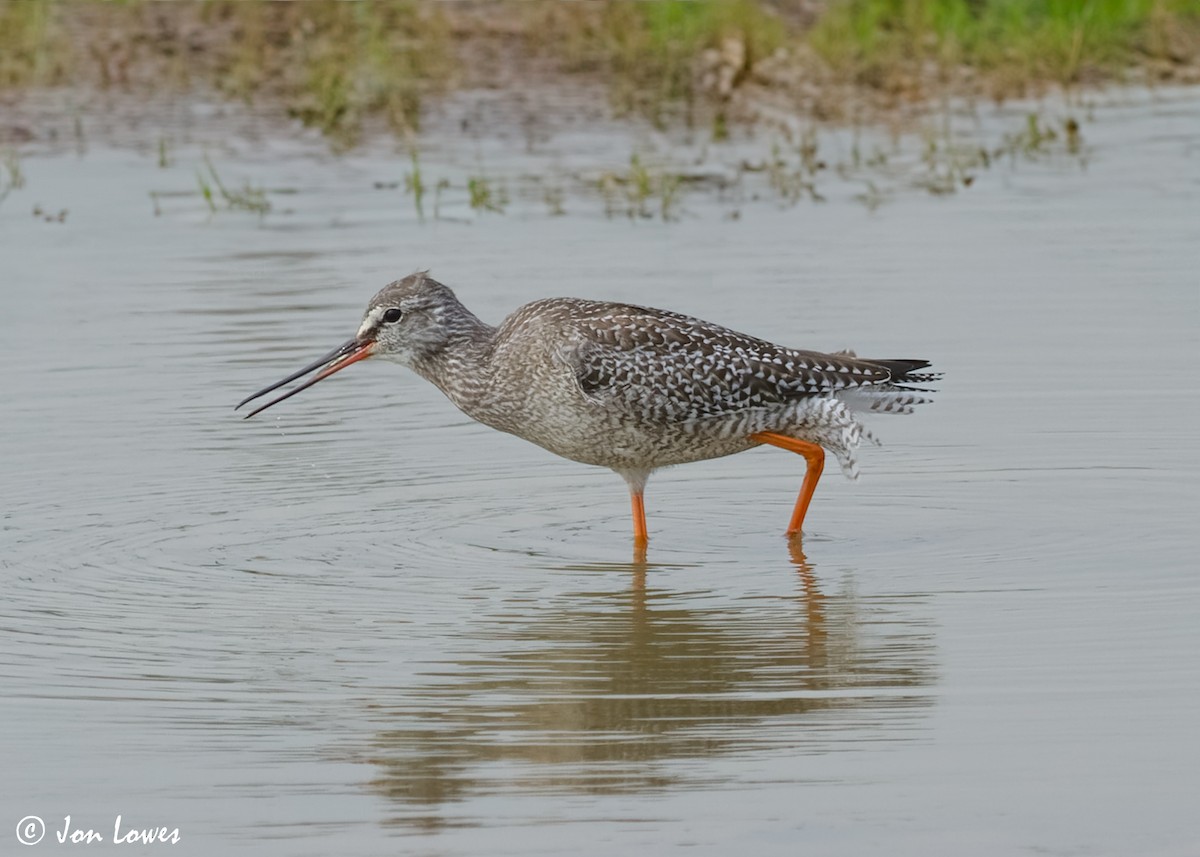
(349, 70)
(629, 110)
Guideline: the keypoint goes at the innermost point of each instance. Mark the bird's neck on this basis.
(460, 364)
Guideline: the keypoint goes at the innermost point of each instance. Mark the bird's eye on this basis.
(392, 316)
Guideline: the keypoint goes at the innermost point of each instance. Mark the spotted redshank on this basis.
(627, 387)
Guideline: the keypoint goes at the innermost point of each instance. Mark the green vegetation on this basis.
(659, 55)
(486, 196)
(414, 184)
(1040, 138)
(872, 197)
(342, 62)
(949, 165)
(483, 194)
(1014, 43)
(218, 197)
(329, 64)
(33, 50)
(945, 157)
(555, 199)
(11, 176)
(641, 192)
(343, 66)
(794, 180)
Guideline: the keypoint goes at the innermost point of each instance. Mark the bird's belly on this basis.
(631, 445)
(620, 432)
(623, 441)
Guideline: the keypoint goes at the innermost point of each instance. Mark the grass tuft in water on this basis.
(415, 184)
(793, 180)
(872, 196)
(641, 192)
(484, 195)
(218, 197)
(11, 176)
(951, 164)
(164, 153)
(555, 198)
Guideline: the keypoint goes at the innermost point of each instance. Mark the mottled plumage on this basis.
(629, 387)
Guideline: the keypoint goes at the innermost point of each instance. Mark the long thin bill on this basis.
(335, 361)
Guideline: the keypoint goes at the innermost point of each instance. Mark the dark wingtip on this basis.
(901, 369)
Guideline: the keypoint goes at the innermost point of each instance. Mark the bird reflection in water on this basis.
(605, 696)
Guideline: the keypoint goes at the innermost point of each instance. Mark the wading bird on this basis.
(627, 387)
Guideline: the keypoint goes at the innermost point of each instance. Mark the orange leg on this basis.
(640, 535)
(814, 455)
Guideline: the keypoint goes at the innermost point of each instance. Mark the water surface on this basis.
(362, 624)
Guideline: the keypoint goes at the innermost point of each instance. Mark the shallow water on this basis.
(362, 624)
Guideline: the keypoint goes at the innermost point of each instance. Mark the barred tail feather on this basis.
(899, 394)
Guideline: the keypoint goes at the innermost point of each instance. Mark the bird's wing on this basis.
(683, 368)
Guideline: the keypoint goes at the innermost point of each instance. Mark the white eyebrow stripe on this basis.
(371, 321)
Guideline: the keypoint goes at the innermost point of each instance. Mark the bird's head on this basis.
(411, 319)
(407, 321)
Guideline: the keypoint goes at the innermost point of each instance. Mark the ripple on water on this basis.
(360, 593)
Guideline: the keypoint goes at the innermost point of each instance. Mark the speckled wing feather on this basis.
(680, 368)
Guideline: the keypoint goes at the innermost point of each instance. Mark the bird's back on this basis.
(632, 387)
(683, 368)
